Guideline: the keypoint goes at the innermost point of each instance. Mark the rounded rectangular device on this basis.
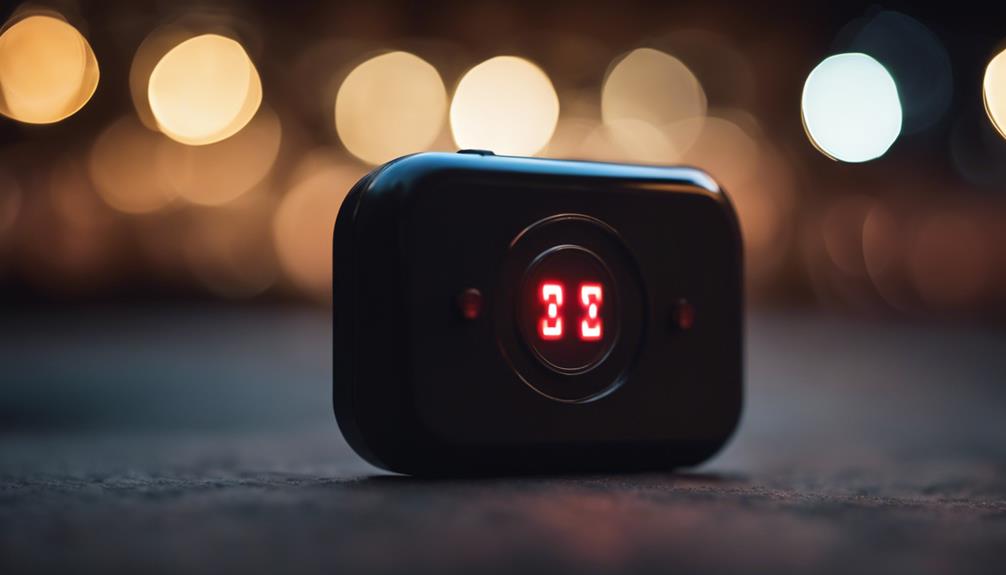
(510, 315)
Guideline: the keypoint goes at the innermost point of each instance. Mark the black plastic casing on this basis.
(420, 389)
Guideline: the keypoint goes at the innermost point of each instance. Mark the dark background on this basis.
(165, 376)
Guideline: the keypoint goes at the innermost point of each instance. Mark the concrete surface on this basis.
(201, 440)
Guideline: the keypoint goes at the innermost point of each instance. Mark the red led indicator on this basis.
(591, 296)
(550, 326)
(470, 303)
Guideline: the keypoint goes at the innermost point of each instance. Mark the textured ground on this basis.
(202, 441)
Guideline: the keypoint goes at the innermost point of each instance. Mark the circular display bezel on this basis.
(605, 373)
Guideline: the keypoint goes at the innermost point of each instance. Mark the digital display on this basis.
(568, 314)
(590, 325)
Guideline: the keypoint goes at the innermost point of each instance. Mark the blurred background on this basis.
(199, 150)
(170, 172)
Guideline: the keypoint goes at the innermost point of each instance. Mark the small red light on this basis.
(591, 296)
(551, 295)
(470, 303)
(684, 315)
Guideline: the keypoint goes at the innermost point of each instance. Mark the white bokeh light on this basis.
(505, 104)
(850, 108)
(994, 92)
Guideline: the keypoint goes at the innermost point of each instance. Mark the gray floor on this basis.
(195, 440)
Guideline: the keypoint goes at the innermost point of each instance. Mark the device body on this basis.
(497, 314)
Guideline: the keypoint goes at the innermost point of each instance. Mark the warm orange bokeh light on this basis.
(652, 87)
(47, 70)
(123, 167)
(10, 202)
(148, 54)
(630, 140)
(948, 261)
(505, 104)
(230, 250)
(218, 173)
(757, 178)
(391, 105)
(302, 227)
(204, 90)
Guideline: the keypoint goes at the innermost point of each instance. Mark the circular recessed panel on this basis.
(571, 320)
(567, 309)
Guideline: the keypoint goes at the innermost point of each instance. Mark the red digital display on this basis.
(568, 312)
(590, 325)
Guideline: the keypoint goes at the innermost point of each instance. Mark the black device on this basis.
(502, 315)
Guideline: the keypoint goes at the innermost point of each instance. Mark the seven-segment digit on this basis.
(550, 326)
(591, 296)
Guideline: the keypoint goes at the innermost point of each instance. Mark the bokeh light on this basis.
(82, 247)
(758, 179)
(570, 137)
(630, 140)
(391, 105)
(71, 197)
(883, 245)
(302, 227)
(994, 92)
(843, 232)
(948, 260)
(723, 147)
(579, 122)
(10, 203)
(915, 58)
(148, 54)
(978, 150)
(230, 249)
(723, 72)
(880, 241)
(653, 87)
(123, 167)
(47, 70)
(218, 173)
(204, 90)
(850, 108)
(505, 104)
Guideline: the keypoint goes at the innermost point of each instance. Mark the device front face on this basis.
(515, 314)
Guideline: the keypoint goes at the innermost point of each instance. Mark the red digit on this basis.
(591, 296)
(550, 326)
